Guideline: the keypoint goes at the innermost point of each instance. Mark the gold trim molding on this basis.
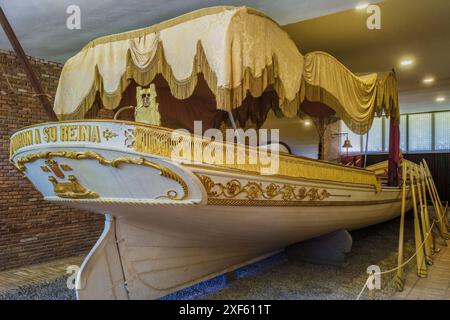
(115, 163)
(283, 203)
(256, 191)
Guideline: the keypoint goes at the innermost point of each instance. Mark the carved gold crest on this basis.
(146, 110)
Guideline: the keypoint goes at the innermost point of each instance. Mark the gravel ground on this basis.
(278, 277)
(52, 290)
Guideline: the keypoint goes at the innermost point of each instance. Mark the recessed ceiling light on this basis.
(406, 62)
(428, 80)
(362, 6)
(440, 99)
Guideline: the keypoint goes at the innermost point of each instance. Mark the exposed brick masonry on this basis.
(33, 230)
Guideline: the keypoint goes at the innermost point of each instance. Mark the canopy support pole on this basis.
(233, 124)
(365, 152)
(394, 152)
(27, 66)
(320, 126)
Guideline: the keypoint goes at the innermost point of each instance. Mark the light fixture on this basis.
(406, 62)
(307, 123)
(440, 99)
(362, 6)
(347, 144)
(428, 80)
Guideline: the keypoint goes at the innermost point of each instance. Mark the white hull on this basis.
(171, 224)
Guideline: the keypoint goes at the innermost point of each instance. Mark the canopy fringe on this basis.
(227, 99)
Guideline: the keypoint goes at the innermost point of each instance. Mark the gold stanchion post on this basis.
(421, 266)
(399, 277)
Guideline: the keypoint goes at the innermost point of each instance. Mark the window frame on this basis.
(385, 138)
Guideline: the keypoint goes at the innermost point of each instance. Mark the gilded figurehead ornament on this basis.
(146, 110)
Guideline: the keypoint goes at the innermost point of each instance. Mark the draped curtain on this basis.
(246, 60)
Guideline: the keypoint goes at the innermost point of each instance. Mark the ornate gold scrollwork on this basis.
(256, 191)
(90, 155)
(129, 138)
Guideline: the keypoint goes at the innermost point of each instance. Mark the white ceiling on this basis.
(409, 28)
(40, 25)
(416, 27)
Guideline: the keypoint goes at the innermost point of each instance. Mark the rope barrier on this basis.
(398, 267)
(420, 174)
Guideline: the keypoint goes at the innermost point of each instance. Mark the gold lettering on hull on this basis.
(52, 134)
(20, 140)
(76, 133)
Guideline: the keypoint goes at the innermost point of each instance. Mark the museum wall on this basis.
(33, 230)
(439, 164)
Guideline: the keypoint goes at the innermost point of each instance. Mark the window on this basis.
(403, 131)
(375, 137)
(419, 132)
(442, 131)
(386, 124)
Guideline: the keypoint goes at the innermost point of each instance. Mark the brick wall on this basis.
(331, 149)
(33, 230)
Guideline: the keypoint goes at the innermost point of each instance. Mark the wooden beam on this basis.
(41, 95)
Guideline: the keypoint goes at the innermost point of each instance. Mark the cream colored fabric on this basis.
(238, 51)
(356, 99)
(235, 48)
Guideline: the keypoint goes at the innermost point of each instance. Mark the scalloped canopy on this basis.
(240, 54)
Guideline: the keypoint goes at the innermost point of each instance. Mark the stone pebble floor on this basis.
(278, 277)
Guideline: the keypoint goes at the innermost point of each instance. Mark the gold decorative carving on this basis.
(160, 141)
(45, 169)
(108, 134)
(54, 167)
(90, 155)
(256, 191)
(129, 138)
(146, 110)
(66, 167)
(72, 189)
(283, 203)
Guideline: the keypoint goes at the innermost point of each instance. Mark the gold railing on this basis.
(162, 141)
(152, 140)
